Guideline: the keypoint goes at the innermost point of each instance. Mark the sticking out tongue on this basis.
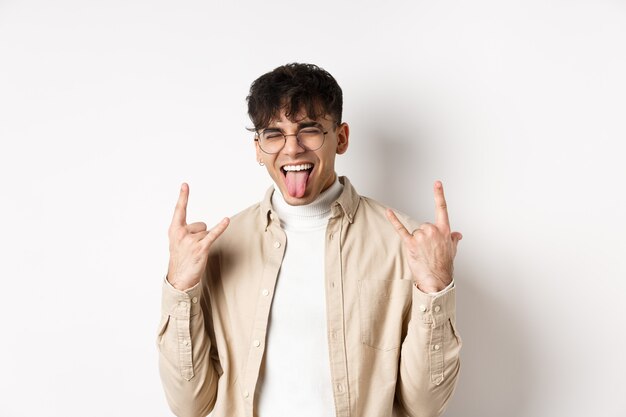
(296, 182)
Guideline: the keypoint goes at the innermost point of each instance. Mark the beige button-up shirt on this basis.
(394, 350)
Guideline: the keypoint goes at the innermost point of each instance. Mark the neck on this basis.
(308, 216)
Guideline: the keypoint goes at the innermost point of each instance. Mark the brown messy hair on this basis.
(294, 87)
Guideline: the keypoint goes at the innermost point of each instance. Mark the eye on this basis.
(272, 135)
(310, 131)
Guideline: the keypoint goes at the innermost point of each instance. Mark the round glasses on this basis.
(273, 140)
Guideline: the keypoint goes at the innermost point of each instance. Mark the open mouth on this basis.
(296, 178)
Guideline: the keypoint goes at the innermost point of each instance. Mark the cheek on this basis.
(327, 163)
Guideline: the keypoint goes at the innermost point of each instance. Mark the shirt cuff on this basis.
(180, 304)
(434, 309)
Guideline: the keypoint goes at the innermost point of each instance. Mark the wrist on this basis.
(428, 289)
(179, 285)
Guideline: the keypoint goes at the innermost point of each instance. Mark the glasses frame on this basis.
(257, 138)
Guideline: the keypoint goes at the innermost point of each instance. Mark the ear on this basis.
(343, 133)
(259, 153)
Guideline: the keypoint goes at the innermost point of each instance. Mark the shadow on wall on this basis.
(391, 164)
(389, 154)
(495, 374)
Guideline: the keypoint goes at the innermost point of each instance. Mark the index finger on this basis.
(441, 207)
(180, 212)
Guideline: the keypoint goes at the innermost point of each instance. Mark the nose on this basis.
(292, 146)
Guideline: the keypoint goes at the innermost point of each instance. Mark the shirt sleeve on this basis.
(429, 359)
(188, 375)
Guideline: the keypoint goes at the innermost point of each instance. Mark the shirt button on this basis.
(183, 303)
(437, 308)
(246, 394)
(186, 342)
(257, 343)
(422, 308)
(330, 236)
(332, 284)
(339, 387)
(194, 300)
(265, 292)
(436, 347)
(277, 244)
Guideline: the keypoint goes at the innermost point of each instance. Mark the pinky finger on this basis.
(216, 231)
(393, 219)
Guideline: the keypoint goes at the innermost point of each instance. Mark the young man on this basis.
(315, 301)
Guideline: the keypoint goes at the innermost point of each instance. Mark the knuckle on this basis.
(206, 244)
(200, 252)
(180, 233)
(196, 227)
(174, 232)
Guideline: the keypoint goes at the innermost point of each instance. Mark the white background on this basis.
(518, 106)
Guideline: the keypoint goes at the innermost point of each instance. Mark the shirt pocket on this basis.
(383, 308)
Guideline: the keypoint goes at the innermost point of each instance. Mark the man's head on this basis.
(302, 100)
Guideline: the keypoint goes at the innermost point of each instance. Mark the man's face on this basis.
(303, 187)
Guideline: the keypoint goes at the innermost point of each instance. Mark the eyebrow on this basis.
(301, 125)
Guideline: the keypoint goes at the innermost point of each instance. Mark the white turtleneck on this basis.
(295, 377)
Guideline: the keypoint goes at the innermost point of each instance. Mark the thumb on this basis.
(456, 236)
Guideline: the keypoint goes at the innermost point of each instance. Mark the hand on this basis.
(189, 245)
(431, 248)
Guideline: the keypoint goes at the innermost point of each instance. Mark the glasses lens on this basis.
(271, 141)
(311, 138)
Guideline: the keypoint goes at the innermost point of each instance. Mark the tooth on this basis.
(300, 167)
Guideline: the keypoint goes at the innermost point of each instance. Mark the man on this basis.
(315, 301)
